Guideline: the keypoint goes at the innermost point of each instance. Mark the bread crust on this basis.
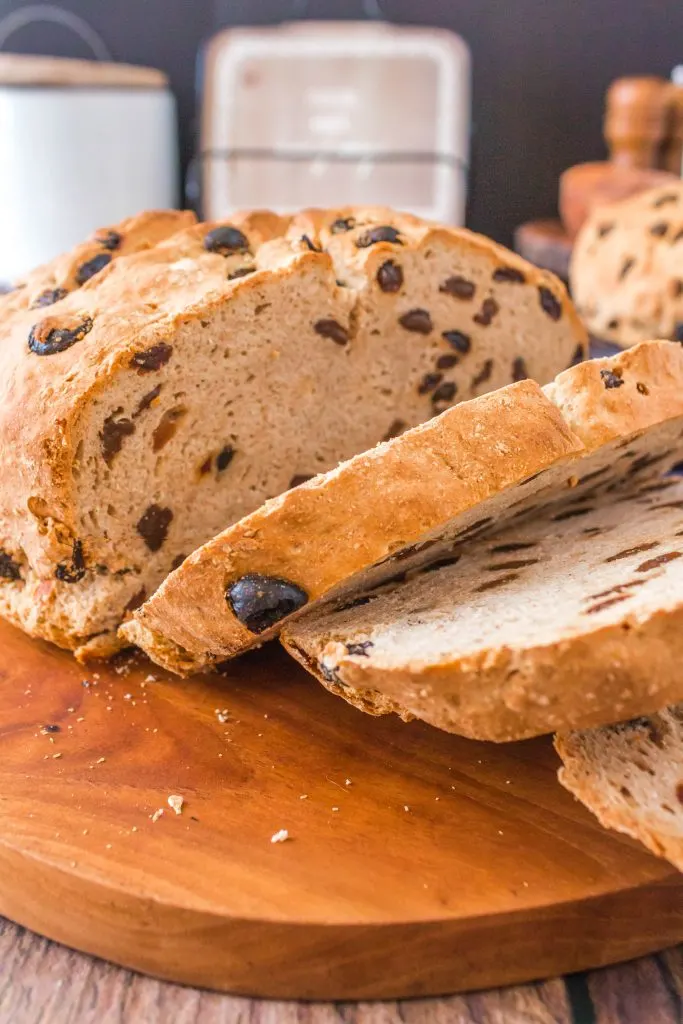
(338, 524)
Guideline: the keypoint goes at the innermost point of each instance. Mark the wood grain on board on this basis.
(417, 863)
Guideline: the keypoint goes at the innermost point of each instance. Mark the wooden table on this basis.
(43, 983)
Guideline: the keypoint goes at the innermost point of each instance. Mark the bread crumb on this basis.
(134, 828)
(280, 837)
(54, 756)
(405, 807)
(175, 802)
(150, 678)
(347, 782)
(304, 796)
(222, 715)
(157, 814)
(335, 808)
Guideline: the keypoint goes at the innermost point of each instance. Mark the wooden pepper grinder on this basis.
(637, 122)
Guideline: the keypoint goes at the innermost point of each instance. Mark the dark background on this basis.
(540, 71)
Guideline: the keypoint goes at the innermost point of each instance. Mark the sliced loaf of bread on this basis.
(567, 613)
(385, 513)
(631, 777)
(155, 389)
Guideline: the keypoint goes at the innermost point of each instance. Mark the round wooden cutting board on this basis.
(416, 863)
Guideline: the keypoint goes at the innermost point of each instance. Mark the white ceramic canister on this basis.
(83, 144)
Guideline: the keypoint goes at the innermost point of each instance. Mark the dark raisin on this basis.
(300, 478)
(360, 649)
(241, 272)
(447, 361)
(641, 388)
(305, 240)
(669, 197)
(383, 233)
(445, 392)
(259, 602)
(550, 304)
(677, 237)
(417, 320)
(611, 378)
(333, 330)
(50, 728)
(440, 563)
(342, 224)
(397, 427)
(679, 792)
(601, 605)
(92, 267)
(152, 358)
(627, 265)
(678, 332)
(518, 563)
(177, 561)
(109, 239)
(153, 526)
(677, 287)
(49, 297)
(613, 324)
(205, 466)
(390, 276)
(458, 340)
(483, 375)
(226, 240)
(659, 560)
(632, 551)
(76, 571)
(458, 287)
(519, 369)
(45, 340)
(507, 549)
(114, 430)
(484, 317)
(167, 426)
(511, 274)
(571, 513)
(329, 674)
(578, 356)
(225, 457)
(604, 229)
(500, 581)
(146, 401)
(659, 229)
(136, 600)
(9, 569)
(429, 382)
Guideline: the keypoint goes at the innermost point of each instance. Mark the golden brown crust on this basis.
(502, 695)
(340, 523)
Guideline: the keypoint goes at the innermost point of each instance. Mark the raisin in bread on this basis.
(568, 614)
(630, 776)
(387, 511)
(627, 268)
(179, 384)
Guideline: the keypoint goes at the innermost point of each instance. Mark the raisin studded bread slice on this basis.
(493, 638)
(631, 777)
(388, 511)
(627, 268)
(183, 384)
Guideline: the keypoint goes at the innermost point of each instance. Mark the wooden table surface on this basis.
(43, 983)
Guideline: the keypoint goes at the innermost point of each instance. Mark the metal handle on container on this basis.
(11, 23)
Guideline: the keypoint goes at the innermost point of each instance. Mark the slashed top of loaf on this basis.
(157, 279)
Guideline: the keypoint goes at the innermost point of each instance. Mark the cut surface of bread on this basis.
(390, 510)
(627, 267)
(630, 776)
(159, 384)
(458, 469)
(573, 617)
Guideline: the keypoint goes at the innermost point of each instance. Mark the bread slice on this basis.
(386, 512)
(460, 469)
(626, 267)
(170, 390)
(631, 777)
(567, 615)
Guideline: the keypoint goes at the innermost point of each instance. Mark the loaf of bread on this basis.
(388, 511)
(567, 615)
(159, 384)
(626, 270)
(630, 776)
